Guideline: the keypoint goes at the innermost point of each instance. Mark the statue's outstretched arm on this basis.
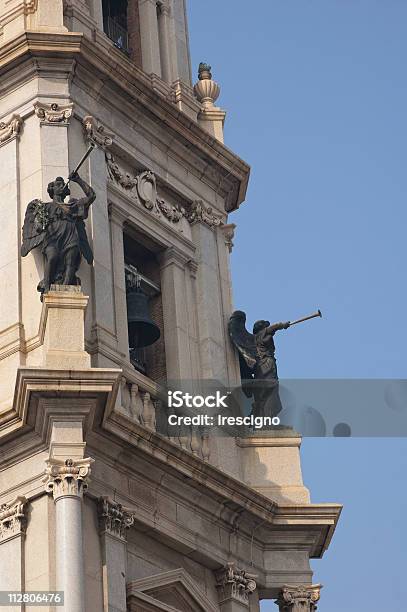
(277, 327)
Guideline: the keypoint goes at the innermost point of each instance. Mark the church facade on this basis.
(96, 501)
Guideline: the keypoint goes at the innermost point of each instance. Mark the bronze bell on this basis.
(142, 329)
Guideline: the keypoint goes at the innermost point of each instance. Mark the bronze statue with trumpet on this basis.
(59, 228)
(258, 367)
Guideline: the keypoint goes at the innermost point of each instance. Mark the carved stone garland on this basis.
(54, 114)
(143, 189)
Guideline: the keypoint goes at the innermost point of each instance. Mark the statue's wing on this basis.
(33, 231)
(243, 341)
(84, 242)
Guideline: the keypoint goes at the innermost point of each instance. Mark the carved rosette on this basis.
(67, 478)
(54, 114)
(13, 520)
(10, 129)
(299, 598)
(234, 583)
(96, 133)
(114, 518)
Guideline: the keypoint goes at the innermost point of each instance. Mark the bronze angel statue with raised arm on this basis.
(258, 367)
(59, 228)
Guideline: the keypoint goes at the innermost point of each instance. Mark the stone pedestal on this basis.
(271, 465)
(63, 323)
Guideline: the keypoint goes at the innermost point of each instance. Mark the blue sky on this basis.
(316, 97)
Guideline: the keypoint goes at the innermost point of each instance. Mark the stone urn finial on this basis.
(206, 90)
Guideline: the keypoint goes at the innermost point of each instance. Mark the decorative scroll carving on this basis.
(229, 233)
(143, 189)
(67, 478)
(10, 129)
(299, 598)
(12, 519)
(198, 211)
(114, 518)
(54, 114)
(233, 583)
(96, 132)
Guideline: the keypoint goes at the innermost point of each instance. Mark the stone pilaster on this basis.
(13, 522)
(114, 521)
(299, 598)
(234, 588)
(104, 339)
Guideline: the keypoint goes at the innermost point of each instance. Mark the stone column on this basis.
(102, 303)
(180, 359)
(114, 520)
(234, 588)
(150, 43)
(66, 480)
(299, 598)
(12, 533)
(117, 220)
(165, 51)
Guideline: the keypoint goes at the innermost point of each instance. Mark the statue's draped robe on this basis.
(65, 229)
(266, 393)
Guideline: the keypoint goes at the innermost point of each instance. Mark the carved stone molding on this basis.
(114, 518)
(142, 188)
(10, 129)
(67, 478)
(234, 583)
(199, 212)
(96, 132)
(299, 598)
(229, 233)
(13, 520)
(54, 114)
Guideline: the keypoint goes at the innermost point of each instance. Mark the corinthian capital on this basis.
(12, 519)
(234, 583)
(54, 114)
(67, 478)
(114, 518)
(299, 598)
(10, 129)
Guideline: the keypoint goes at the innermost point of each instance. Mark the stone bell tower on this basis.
(95, 501)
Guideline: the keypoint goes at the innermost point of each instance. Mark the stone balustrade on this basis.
(145, 402)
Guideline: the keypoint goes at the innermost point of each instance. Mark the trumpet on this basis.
(316, 314)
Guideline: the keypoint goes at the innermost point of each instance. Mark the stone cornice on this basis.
(322, 517)
(112, 68)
